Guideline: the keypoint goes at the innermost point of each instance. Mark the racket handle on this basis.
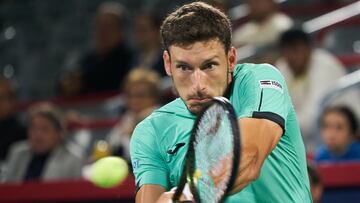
(187, 194)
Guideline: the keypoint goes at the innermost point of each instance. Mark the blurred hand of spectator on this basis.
(44, 155)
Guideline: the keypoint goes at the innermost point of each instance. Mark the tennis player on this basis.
(202, 63)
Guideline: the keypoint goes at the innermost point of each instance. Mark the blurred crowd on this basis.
(38, 144)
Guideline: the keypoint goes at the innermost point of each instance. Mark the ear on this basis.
(167, 62)
(232, 58)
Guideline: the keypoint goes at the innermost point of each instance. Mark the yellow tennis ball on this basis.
(109, 172)
(197, 173)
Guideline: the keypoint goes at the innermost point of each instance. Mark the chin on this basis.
(196, 109)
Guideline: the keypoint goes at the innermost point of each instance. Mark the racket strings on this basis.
(213, 147)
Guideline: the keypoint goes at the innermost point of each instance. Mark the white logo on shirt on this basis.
(273, 84)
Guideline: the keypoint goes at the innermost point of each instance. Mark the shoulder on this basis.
(282, 20)
(156, 121)
(322, 56)
(255, 68)
(20, 147)
(323, 154)
(356, 145)
(69, 152)
(175, 110)
(256, 72)
(355, 148)
(162, 125)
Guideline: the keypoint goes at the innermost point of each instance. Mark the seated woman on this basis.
(339, 128)
(44, 155)
(142, 95)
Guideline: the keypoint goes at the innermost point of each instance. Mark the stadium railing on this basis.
(66, 191)
(341, 183)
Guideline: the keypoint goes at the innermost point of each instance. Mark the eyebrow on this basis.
(209, 60)
(180, 62)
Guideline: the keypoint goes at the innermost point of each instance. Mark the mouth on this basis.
(199, 100)
(195, 105)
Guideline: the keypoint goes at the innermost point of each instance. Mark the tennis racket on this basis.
(213, 156)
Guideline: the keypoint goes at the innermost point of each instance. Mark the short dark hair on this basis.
(347, 113)
(196, 22)
(293, 36)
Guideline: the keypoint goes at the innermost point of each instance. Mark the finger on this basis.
(166, 197)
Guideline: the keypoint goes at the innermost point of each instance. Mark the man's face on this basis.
(42, 135)
(297, 56)
(108, 32)
(200, 71)
(139, 97)
(336, 132)
(146, 33)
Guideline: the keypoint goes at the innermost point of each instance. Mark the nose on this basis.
(197, 80)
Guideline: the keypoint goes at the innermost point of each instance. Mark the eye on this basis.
(183, 67)
(210, 65)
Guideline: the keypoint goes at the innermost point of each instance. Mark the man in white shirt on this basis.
(309, 73)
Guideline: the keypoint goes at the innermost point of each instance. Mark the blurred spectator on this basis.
(70, 83)
(11, 129)
(44, 156)
(142, 95)
(265, 25)
(107, 65)
(339, 128)
(316, 186)
(222, 5)
(309, 73)
(147, 39)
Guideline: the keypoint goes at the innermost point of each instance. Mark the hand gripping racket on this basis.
(213, 155)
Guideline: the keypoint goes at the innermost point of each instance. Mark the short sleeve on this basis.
(261, 92)
(147, 162)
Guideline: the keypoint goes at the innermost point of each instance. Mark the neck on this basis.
(228, 89)
(339, 150)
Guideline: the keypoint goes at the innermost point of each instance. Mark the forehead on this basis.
(334, 116)
(197, 51)
(38, 118)
(137, 85)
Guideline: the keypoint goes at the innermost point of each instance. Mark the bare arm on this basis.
(258, 138)
(149, 193)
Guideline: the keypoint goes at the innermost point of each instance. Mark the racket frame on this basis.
(189, 167)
